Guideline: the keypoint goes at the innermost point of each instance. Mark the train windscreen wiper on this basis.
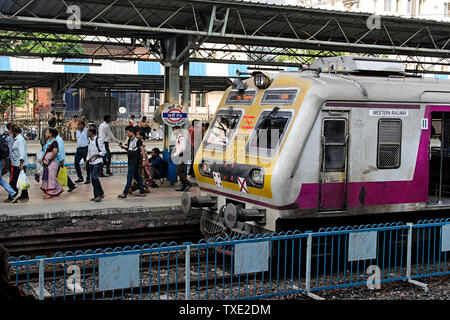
(268, 116)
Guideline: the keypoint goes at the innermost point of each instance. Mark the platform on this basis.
(74, 212)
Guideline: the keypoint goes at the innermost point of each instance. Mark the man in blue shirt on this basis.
(82, 151)
(157, 166)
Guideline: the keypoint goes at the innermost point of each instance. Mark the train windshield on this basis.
(222, 129)
(269, 132)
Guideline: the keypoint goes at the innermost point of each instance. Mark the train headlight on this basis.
(261, 80)
(257, 176)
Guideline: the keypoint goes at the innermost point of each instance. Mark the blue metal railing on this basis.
(260, 266)
(116, 168)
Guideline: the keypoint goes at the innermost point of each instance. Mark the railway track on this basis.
(50, 244)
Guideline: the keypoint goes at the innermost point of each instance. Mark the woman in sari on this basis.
(50, 184)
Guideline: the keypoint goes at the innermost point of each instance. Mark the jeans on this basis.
(107, 158)
(6, 185)
(96, 169)
(133, 172)
(81, 153)
(182, 174)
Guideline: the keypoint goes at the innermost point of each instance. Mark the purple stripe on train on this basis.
(385, 192)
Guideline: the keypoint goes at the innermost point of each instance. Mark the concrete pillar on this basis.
(186, 88)
(171, 95)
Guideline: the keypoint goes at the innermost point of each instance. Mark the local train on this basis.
(347, 136)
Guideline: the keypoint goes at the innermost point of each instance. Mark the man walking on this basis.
(5, 155)
(177, 157)
(81, 152)
(19, 161)
(105, 133)
(95, 154)
(134, 149)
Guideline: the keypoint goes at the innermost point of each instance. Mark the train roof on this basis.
(333, 86)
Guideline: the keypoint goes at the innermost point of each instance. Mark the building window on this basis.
(389, 143)
(447, 9)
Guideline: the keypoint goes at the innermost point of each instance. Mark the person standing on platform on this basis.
(72, 127)
(134, 148)
(61, 159)
(5, 156)
(96, 153)
(177, 157)
(105, 133)
(19, 161)
(50, 185)
(82, 150)
(132, 120)
(51, 124)
(9, 138)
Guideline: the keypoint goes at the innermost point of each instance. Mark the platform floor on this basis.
(79, 199)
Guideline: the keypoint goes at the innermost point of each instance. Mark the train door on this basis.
(439, 158)
(334, 164)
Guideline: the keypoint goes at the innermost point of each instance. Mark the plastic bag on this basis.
(39, 167)
(62, 177)
(22, 181)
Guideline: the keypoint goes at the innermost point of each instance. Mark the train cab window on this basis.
(389, 143)
(268, 132)
(222, 129)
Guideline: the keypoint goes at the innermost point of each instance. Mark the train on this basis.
(347, 136)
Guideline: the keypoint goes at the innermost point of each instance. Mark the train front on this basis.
(237, 162)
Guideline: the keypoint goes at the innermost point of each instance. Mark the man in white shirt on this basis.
(178, 157)
(19, 160)
(95, 154)
(105, 133)
(81, 152)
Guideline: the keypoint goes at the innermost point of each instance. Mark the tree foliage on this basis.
(17, 97)
(41, 46)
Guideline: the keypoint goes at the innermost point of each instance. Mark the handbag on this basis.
(62, 177)
(45, 174)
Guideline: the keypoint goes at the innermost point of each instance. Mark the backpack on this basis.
(4, 148)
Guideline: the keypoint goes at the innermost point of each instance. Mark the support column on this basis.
(171, 94)
(186, 88)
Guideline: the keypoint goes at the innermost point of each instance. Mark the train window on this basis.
(334, 135)
(389, 143)
(279, 96)
(237, 97)
(268, 132)
(222, 128)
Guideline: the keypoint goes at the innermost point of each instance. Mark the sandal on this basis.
(141, 195)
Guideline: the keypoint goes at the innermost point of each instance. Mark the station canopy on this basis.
(219, 22)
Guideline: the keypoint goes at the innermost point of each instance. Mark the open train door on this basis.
(439, 158)
(334, 161)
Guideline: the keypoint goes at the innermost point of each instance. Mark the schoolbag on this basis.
(4, 148)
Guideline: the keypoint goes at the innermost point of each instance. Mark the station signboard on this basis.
(173, 115)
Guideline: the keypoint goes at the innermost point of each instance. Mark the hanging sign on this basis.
(173, 115)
